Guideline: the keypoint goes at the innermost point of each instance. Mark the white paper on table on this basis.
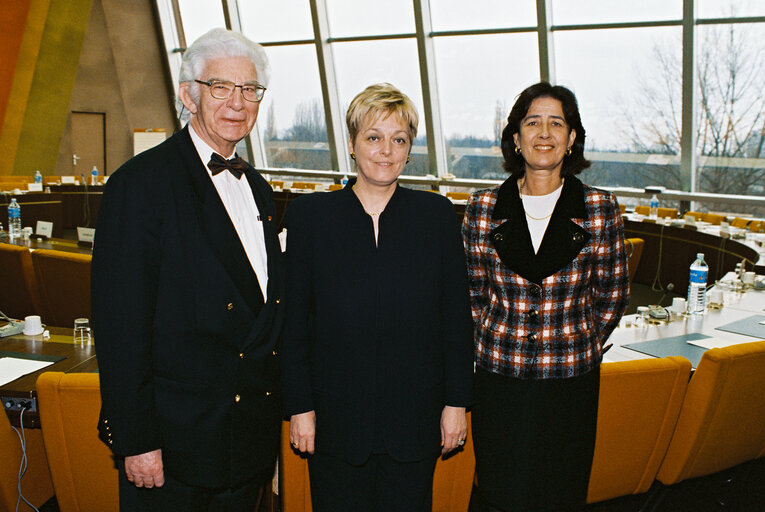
(712, 343)
(11, 368)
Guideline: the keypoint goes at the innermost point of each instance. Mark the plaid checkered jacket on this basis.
(544, 315)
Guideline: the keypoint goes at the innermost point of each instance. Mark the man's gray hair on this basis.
(221, 43)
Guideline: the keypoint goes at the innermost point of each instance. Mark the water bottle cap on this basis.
(700, 255)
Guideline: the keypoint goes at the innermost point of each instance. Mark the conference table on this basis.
(56, 244)
(60, 349)
(689, 335)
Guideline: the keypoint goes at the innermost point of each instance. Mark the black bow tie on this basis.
(235, 166)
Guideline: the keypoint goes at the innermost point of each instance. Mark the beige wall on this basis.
(121, 72)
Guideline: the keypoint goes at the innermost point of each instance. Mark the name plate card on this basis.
(68, 180)
(35, 187)
(44, 228)
(85, 235)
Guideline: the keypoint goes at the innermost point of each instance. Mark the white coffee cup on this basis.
(678, 305)
(748, 278)
(716, 297)
(33, 325)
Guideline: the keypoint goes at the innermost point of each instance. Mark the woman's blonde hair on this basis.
(381, 99)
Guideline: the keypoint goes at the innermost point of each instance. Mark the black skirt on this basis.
(534, 440)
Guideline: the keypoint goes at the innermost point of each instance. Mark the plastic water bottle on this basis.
(697, 286)
(38, 177)
(94, 176)
(344, 181)
(654, 208)
(14, 219)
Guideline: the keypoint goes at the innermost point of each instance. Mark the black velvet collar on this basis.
(563, 239)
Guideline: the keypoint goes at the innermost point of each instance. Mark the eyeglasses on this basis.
(222, 90)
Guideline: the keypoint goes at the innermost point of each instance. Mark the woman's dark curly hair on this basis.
(514, 162)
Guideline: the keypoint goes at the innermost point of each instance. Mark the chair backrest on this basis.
(458, 196)
(672, 213)
(19, 295)
(722, 421)
(714, 218)
(757, 226)
(638, 406)
(294, 485)
(634, 252)
(452, 480)
(36, 484)
(303, 185)
(642, 209)
(64, 281)
(739, 222)
(82, 467)
(334, 186)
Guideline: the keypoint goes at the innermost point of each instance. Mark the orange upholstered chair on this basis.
(672, 213)
(19, 295)
(739, 222)
(643, 210)
(757, 226)
(294, 485)
(458, 196)
(452, 480)
(303, 185)
(634, 252)
(639, 404)
(36, 485)
(714, 218)
(64, 280)
(82, 467)
(722, 421)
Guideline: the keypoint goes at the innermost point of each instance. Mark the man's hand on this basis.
(303, 431)
(453, 428)
(145, 470)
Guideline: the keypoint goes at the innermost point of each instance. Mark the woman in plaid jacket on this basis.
(548, 285)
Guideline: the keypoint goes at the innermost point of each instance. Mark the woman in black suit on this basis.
(377, 351)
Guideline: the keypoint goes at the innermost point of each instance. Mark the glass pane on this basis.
(730, 8)
(483, 14)
(276, 20)
(291, 119)
(476, 96)
(628, 84)
(361, 64)
(353, 18)
(566, 12)
(730, 106)
(199, 16)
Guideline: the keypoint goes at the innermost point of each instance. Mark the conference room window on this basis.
(729, 8)
(628, 84)
(273, 21)
(291, 121)
(587, 12)
(451, 15)
(730, 108)
(362, 63)
(351, 18)
(199, 16)
(479, 78)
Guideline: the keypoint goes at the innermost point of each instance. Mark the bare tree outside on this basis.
(730, 112)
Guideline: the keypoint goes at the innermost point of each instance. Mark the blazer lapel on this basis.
(217, 227)
(563, 239)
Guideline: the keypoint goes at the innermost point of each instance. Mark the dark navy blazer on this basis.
(187, 350)
(377, 338)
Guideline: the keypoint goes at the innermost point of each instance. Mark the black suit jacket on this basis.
(187, 350)
(377, 340)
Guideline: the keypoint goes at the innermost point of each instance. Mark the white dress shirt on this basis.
(538, 211)
(239, 202)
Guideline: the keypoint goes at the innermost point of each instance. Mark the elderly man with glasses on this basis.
(187, 288)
